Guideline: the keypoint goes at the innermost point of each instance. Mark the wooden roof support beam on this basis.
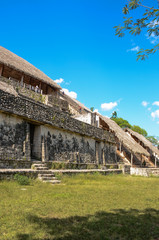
(22, 79)
(141, 160)
(1, 70)
(155, 162)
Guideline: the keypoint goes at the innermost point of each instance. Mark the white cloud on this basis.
(155, 114)
(149, 109)
(134, 49)
(96, 110)
(158, 122)
(108, 106)
(154, 23)
(58, 81)
(153, 38)
(68, 83)
(156, 103)
(69, 93)
(144, 103)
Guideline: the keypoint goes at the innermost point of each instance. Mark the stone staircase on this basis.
(45, 175)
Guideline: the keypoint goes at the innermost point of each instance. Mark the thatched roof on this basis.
(146, 142)
(123, 137)
(15, 62)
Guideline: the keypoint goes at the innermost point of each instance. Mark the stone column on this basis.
(131, 159)
(43, 148)
(26, 144)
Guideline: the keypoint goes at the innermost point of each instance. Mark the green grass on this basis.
(83, 207)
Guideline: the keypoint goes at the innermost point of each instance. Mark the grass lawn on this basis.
(83, 207)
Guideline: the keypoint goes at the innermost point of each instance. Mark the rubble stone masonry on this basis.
(30, 129)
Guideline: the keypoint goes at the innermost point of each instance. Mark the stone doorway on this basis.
(32, 131)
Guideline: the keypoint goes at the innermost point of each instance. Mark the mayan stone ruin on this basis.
(39, 124)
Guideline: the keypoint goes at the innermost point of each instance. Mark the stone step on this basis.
(41, 168)
(46, 175)
(44, 171)
(52, 181)
(47, 178)
(39, 165)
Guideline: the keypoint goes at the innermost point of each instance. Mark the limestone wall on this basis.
(66, 146)
(14, 139)
(146, 172)
(43, 114)
(52, 144)
(87, 118)
(33, 130)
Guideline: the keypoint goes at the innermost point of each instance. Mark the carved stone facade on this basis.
(34, 131)
(14, 138)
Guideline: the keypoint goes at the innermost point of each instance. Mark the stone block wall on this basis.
(43, 114)
(51, 144)
(14, 139)
(146, 172)
(55, 135)
(66, 146)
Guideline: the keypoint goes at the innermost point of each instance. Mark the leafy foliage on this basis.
(114, 115)
(22, 180)
(122, 122)
(139, 130)
(148, 22)
(125, 124)
(92, 109)
(154, 140)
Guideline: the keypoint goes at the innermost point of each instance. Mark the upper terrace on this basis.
(28, 80)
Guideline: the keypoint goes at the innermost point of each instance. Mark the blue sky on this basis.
(75, 40)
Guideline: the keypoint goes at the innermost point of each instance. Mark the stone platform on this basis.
(9, 173)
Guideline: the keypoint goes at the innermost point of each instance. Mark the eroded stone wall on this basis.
(56, 135)
(49, 115)
(146, 172)
(65, 146)
(60, 145)
(14, 139)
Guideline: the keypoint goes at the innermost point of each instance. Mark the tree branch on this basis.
(147, 7)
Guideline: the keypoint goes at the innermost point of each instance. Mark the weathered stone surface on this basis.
(7, 164)
(9, 174)
(146, 172)
(47, 115)
(33, 130)
(14, 140)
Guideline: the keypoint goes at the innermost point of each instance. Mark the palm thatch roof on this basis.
(15, 62)
(142, 139)
(123, 137)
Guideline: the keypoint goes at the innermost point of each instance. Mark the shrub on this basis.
(22, 180)
(111, 167)
(58, 176)
(91, 166)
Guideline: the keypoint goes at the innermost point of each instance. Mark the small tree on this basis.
(154, 140)
(114, 115)
(92, 109)
(122, 122)
(139, 130)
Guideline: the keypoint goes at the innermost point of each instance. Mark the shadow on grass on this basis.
(120, 224)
